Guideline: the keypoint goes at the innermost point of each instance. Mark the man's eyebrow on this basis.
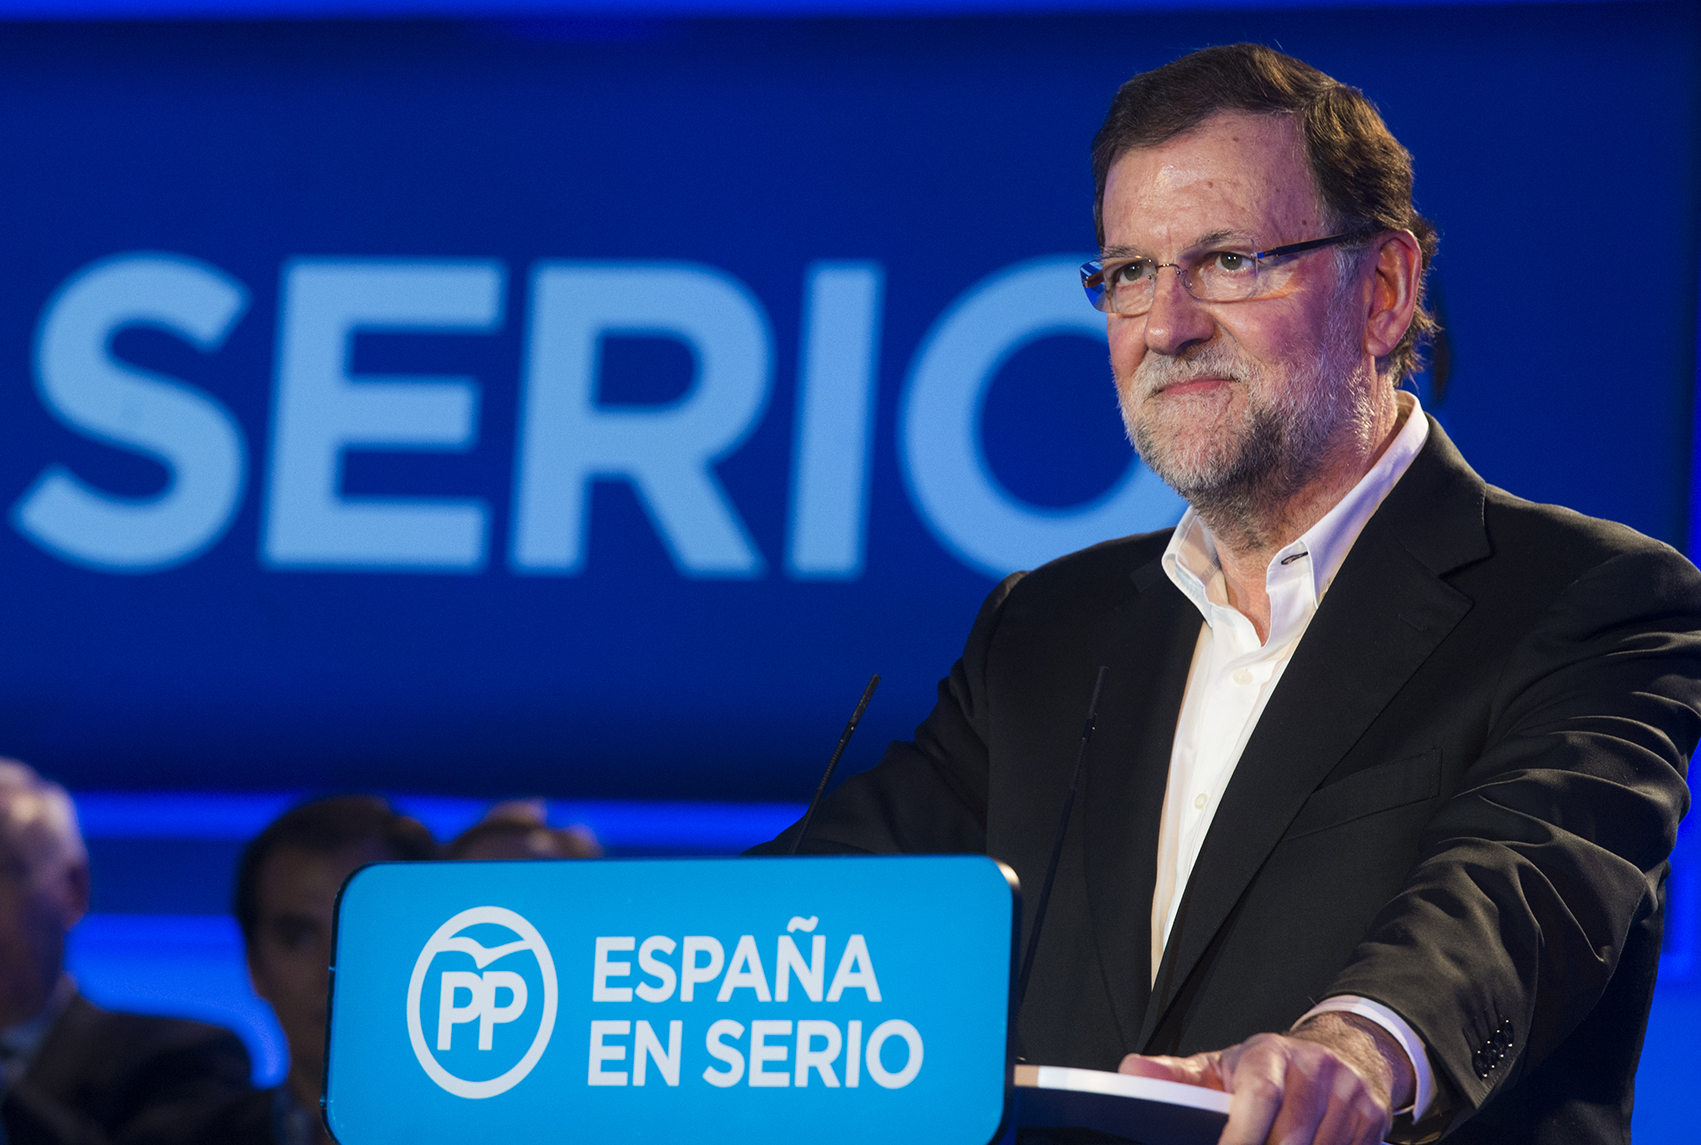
(1212, 238)
(1219, 236)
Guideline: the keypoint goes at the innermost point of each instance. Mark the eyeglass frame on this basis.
(1094, 268)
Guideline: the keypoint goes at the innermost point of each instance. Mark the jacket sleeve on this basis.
(928, 795)
(1533, 876)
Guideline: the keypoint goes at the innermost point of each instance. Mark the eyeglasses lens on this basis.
(1126, 287)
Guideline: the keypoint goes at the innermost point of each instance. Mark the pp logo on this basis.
(473, 1001)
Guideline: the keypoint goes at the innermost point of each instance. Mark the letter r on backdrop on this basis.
(668, 451)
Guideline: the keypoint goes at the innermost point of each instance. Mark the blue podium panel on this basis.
(710, 1000)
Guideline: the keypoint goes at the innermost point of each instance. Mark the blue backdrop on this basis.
(234, 565)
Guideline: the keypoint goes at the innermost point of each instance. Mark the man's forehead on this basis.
(27, 828)
(1252, 141)
(293, 876)
(1237, 175)
(20, 805)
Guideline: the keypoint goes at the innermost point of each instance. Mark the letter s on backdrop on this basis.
(93, 393)
(731, 1055)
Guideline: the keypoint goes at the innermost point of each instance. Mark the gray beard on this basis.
(1241, 482)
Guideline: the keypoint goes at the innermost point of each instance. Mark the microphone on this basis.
(1057, 843)
(850, 730)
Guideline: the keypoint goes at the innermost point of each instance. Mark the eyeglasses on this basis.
(1125, 286)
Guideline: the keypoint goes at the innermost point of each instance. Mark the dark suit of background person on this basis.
(1458, 802)
(73, 1073)
(101, 1076)
(286, 888)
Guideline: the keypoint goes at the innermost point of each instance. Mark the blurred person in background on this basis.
(519, 830)
(71, 1072)
(286, 890)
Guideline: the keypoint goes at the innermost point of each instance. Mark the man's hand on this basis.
(1335, 1080)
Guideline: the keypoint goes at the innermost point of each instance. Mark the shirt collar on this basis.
(1302, 572)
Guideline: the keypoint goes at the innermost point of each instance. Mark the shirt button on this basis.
(1242, 676)
(1199, 802)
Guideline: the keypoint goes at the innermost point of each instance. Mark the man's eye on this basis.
(1130, 272)
(295, 933)
(1230, 262)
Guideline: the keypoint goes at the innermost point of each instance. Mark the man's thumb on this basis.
(1200, 1069)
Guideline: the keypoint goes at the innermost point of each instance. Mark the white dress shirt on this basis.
(1233, 676)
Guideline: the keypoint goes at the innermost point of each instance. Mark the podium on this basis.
(711, 1001)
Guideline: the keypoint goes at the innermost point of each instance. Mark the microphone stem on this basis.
(821, 788)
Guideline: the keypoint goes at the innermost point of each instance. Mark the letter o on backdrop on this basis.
(945, 467)
(885, 1078)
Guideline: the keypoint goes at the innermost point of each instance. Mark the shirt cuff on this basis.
(1423, 1081)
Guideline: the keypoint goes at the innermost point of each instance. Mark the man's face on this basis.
(289, 956)
(1228, 401)
(42, 895)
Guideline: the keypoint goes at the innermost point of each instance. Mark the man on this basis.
(286, 891)
(72, 1073)
(1389, 762)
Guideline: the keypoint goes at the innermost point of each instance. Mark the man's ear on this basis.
(256, 971)
(74, 888)
(1393, 292)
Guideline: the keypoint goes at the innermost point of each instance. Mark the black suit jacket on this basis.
(126, 1079)
(1459, 801)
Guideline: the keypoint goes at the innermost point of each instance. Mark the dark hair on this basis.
(1362, 174)
(525, 829)
(324, 826)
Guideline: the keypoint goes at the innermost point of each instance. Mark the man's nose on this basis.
(1176, 320)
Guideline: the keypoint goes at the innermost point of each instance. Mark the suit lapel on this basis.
(1152, 641)
(59, 1060)
(1386, 612)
